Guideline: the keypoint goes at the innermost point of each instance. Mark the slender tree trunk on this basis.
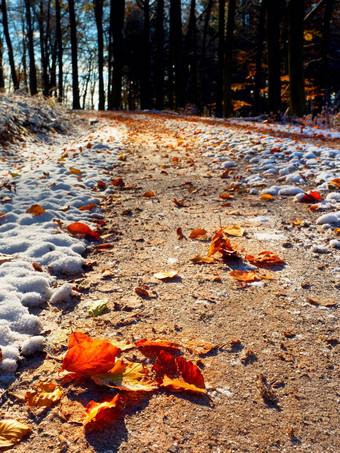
(274, 60)
(98, 10)
(201, 67)
(59, 40)
(145, 97)
(176, 45)
(117, 12)
(220, 59)
(2, 78)
(9, 45)
(43, 49)
(159, 63)
(191, 53)
(259, 53)
(74, 51)
(297, 99)
(32, 71)
(228, 106)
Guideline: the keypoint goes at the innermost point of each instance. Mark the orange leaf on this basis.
(101, 185)
(88, 207)
(180, 234)
(178, 374)
(100, 415)
(37, 267)
(335, 182)
(157, 343)
(179, 204)
(311, 197)
(86, 356)
(81, 228)
(244, 276)
(44, 395)
(198, 259)
(35, 210)
(221, 244)
(75, 171)
(267, 196)
(198, 232)
(224, 196)
(148, 194)
(118, 182)
(142, 292)
(265, 259)
(107, 273)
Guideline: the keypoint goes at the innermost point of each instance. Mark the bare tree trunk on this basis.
(191, 54)
(9, 45)
(2, 79)
(98, 10)
(274, 59)
(259, 52)
(220, 59)
(117, 12)
(176, 51)
(60, 51)
(74, 50)
(32, 71)
(227, 106)
(159, 63)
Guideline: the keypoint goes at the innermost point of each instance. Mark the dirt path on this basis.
(270, 340)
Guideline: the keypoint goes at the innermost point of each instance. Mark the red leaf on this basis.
(100, 415)
(81, 228)
(312, 197)
(265, 259)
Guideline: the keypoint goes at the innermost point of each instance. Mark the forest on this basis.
(207, 57)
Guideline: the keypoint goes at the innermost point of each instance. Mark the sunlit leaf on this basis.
(142, 291)
(179, 204)
(225, 196)
(246, 277)
(197, 233)
(37, 267)
(86, 356)
(118, 182)
(75, 171)
(35, 210)
(11, 432)
(234, 230)
(221, 244)
(311, 197)
(199, 346)
(265, 259)
(83, 229)
(335, 182)
(100, 415)
(198, 259)
(166, 275)
(157, 344)
(180, 234)
(97, 307)
(127, 376)
(5, 258)
(107, 273)
(267, 197)
(88, 207)
(44, 395)
(149, 194)
(179, 385)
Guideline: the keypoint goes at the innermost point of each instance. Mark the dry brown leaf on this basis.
(107, 273)
(4, 258)
(197, 233)
(246, 277)
(200, 347)
(198, 259)
(37, 267)
(322, 301)
(11, 432)
(180, 234)
(149, 194)
(179, 204)
(35, 210)
(44, 395)
(76, 171)
(166, 275)
(142, 291)
(234, 230)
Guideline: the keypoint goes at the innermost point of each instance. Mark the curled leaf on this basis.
(97, 307)
(180, 234)
(166, 275)
(198, 259)
(76, 171)
(197, 233)
(265, 259)
(234, 230)
(83, 229)
(246, 277)
(36, 210)
(88, 207)
(100, 415)
(221, 244)
(44, 395)
(107, 273)
(11, 432)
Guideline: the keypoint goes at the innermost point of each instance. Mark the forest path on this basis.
(282, 331)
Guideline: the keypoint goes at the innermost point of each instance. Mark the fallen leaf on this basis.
(197, 233)
(75, 171)
(335, 182)
(82, 228)
(234, 230)
(157, 343)
(44, 395)
(118, 182)
(321, 301)
(148, 194)
(2, 214)
(268, 394)
(127, 376)
(221, 244)
(97, 307)
(142, 292)
(267, 196)
(296, 222)
(178, 374)
(179, 204)
(88, 207)
(36, 210)
(180, 234)
(100, 415)
(337, 232)
(121, 344)
(166, 275)
(107, 273)
(265, 259)
(246, 277)
(311, 197)
(200, 347)
(5, 258)
(87, 357)
(198, 259)
(103, 246)
(101, 185)
(37, 267)
(11, 432)
(1, 355)
(225, 196)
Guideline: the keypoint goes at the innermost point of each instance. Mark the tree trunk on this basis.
(191, 53)
(297, 99)
(9, 45)
(98, 10)
(228, 106)
(259, 52)
(145, 95)
(59, 40)
(220, 59)
(159, 63)
(2, 79)
(74, 51)
(176, 51)
(117, 11)
(274, 58)
(43, 47)
(32, 71)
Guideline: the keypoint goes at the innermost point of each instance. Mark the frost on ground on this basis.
(62, 175)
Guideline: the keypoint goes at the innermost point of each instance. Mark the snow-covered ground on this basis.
(62, 177)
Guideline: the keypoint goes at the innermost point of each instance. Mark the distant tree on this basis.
(2, 78)
(191, 56)
(98, 10)
(274, 57)
(117, 12)
(74, 50)
(220, 59)
(9, 44)
(176, 52)
(259, 54)
(228, 62)
(60, 48)
(159, 59)
(297, 99)
(32, 68)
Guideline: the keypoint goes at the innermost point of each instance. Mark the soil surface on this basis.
(268, 351)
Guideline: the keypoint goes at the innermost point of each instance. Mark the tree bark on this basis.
(297, 99)
(32, 69)
(98, 10)
(9, 45)
(159, 62)
(145, 95)
(220, 59)
(228, 62)
(259, 53)
(274, 58)
(176, 51)
(191, 54)
(74, 51)
(2, 78)
(117, 12)
(59, 40)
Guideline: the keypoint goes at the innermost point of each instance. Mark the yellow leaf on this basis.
(97, 307)
(75, 171)
(106, 273)
(177, 385)
(337, 231)
(234, 230)
(45, 395)
(165, 275)
(267, 197)
(36, 210)
(198, 259)
(4, 258)
(11, 432)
